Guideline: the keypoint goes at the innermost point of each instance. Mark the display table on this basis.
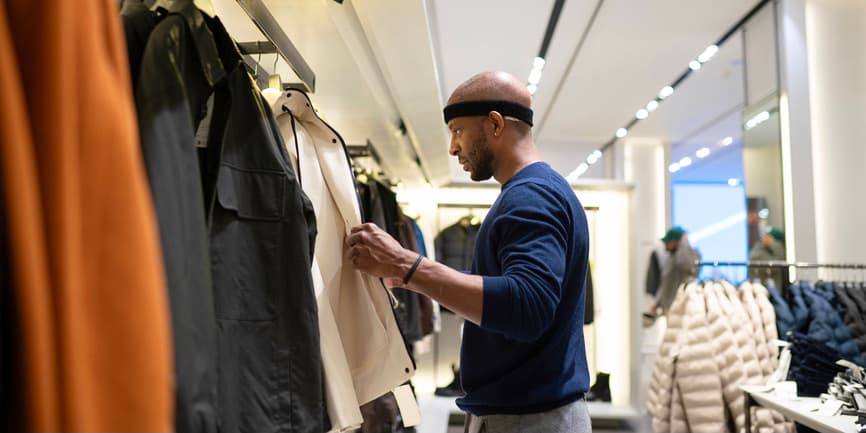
(803, 410)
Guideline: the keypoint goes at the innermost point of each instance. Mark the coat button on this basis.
(407, 369)
(333, 140)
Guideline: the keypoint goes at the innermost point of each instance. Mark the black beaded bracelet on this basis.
(412, 270)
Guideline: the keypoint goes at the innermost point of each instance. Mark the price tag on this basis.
(829, 408)
(407, 405)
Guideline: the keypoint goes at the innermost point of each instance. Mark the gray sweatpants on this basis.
(571, 418)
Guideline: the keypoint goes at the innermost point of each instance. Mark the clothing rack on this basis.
(364, 150)
(278, 42)
(783, 268)
(779, 264)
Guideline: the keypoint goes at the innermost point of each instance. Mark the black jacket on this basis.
(455, 245)
(179, 66)
(262, 237)
(850, 297)
(237, 236)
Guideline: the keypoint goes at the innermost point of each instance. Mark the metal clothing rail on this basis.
(778, 264)
(279, 42)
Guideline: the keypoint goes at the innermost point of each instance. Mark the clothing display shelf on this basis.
(278, 42)
(803, 410)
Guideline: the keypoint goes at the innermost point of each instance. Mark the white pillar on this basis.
(836, 41)
(794, 110)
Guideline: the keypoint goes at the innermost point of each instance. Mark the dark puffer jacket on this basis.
(799, 309)
(826, 325)
(852, 314)
(784, 315)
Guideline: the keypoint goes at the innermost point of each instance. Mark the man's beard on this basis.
(481, 161)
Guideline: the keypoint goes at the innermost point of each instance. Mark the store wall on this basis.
(836, 40)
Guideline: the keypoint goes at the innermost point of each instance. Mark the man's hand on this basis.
(375, 252)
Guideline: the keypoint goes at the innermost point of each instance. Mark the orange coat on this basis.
(91, 327)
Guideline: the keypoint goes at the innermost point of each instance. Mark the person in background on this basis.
(771, 247)
(677, 265)
(523, 360)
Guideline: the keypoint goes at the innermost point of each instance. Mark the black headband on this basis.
(483, 108)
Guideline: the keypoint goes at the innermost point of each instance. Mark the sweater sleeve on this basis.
(530, 238)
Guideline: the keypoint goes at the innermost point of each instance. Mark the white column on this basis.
(794, 109)
(836, 41)
(642, 163)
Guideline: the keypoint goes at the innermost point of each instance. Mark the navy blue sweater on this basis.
(528, 354)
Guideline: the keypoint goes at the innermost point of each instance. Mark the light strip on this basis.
(694, 65)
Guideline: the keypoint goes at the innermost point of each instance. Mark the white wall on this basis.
(836, 40)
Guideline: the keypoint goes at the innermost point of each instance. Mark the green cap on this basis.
(674, 234)
(776, 234)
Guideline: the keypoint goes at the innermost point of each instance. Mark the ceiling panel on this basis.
(633, 50)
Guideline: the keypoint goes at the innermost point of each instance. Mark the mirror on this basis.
(725, 152)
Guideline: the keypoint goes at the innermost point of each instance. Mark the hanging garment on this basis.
(427, 307)
(727, 355)
(661, 389)
(698, 378)
(850, 298)
(87, 282)
(762, 342)
(784, 315)
(426, 321)
(363, 352)
(826, 325)
(179, 67)
(262, 236)
(455, 245)
(381, 208)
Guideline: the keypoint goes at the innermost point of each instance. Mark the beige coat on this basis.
(750, 303)
(660, 393)
(363, 353)
(698, 377)
(728, 358)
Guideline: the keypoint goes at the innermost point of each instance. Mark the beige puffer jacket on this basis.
(732, 308)
(698, 378)
(659, 396)
(768, 317)
(747, 296)
(728, 359)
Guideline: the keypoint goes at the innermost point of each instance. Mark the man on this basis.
(771, 247)
(523, 362)
(677, 267)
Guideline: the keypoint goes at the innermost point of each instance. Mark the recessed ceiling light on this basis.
(532, 88)
(652, 105)
(708, 53)
(703, 152)
(694, 65)
(665, 92)
(685, 162)
(593, 157)
(621, 132)
(673, 168)
(538, 63)
(727, 141)
(641, 114)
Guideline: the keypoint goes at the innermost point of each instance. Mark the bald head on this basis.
(492, 85)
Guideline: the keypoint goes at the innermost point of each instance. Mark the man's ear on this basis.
(498, 122)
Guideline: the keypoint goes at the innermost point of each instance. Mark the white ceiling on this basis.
(377, 61)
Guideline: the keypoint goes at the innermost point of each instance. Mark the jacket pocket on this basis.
(249, 243)
(252, 194)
